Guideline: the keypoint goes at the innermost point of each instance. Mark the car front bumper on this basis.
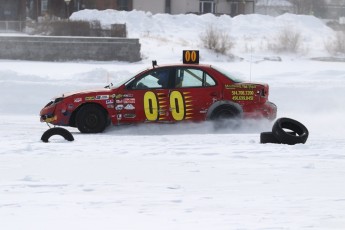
(55, 114)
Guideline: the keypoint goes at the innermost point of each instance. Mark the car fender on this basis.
(220, 103)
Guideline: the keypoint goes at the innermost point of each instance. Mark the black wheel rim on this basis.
(91, 121)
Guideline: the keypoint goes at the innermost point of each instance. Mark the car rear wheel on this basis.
(91, 119)
(226, 116)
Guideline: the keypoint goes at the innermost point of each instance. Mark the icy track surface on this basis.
(184, 176)
(174, 176)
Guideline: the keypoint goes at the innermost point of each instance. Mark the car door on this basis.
(193, 93)
(146, 98)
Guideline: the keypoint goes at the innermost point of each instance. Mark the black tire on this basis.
(300, 135)
(226, 116)
(91, 119)
(268, 137)
(57, 131)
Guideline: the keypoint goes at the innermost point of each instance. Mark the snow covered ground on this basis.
(184, 176)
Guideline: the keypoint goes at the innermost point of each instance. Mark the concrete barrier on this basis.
(46, 48)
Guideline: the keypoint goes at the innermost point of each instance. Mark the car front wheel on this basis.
(91, 119)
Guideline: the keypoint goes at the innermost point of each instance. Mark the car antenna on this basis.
(154, 63)
(251, 62)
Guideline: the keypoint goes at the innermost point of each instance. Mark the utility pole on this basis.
(67, 3)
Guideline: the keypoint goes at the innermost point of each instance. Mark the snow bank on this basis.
(139, 22)
(184, 30)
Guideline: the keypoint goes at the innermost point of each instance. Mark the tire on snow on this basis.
(268, 137)
(57, 131)
(299, 136)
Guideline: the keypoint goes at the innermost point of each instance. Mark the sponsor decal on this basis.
(70, 106)
(129, 100)
(128, 95)
(117, 96)
(119, 101)
(242, 95)
(129, 107)
(129, 115)
(109, 102)
(102, 97)
(119, 107)
(240, 86)
(89, 98)
(242, 98)
(119, 116)
(110, 106)
(77, 100)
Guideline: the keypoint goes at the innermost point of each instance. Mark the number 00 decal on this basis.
(177, 105)
(151, 106)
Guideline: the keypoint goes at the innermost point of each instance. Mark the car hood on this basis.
(89, 91)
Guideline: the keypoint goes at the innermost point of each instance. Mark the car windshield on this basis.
(123, 81)
(119, 83)
(229, 75)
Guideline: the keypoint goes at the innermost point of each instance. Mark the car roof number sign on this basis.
(190, 56)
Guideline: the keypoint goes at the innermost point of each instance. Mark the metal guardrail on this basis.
(10, 26)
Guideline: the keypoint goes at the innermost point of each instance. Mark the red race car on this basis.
(167, 94)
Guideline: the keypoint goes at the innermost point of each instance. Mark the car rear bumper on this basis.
(267, 110)
(271, 110)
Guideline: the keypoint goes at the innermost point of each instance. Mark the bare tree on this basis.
(288, 40)
(216, 40)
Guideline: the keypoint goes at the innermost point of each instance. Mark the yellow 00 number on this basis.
(177, 106)
(151, 106)
(190, 56)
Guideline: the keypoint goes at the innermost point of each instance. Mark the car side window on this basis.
(188, 77)
(209, 81)
(156, 79)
